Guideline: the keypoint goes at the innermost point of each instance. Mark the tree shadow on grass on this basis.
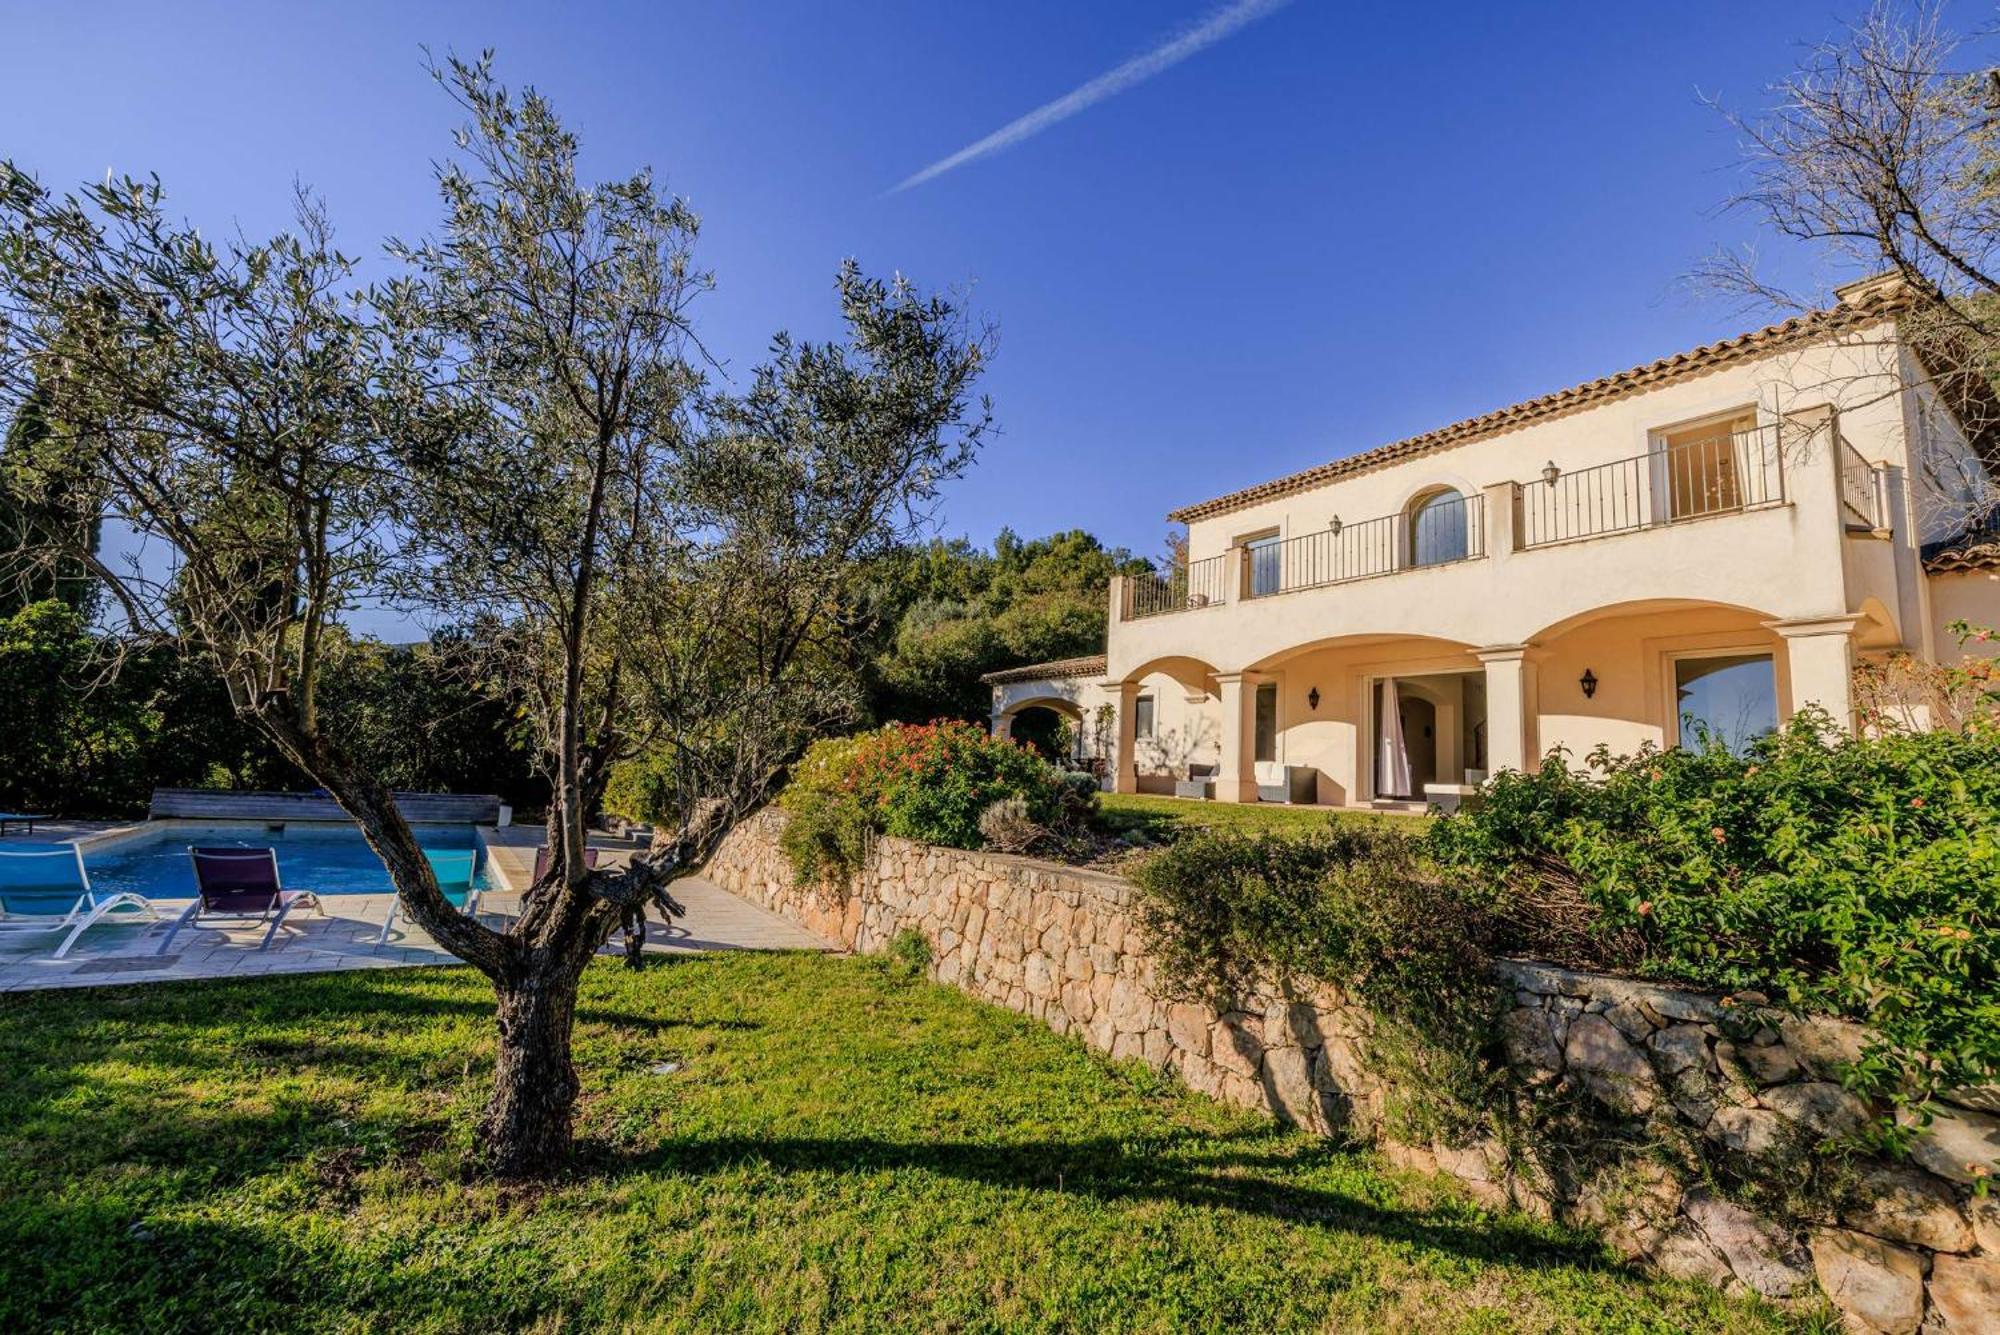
(1179, 1170)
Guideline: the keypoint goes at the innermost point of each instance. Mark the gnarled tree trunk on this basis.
(526, 1128)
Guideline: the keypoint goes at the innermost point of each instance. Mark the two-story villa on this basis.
(1712, 540)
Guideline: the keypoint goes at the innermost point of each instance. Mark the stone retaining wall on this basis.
(1903, 1247)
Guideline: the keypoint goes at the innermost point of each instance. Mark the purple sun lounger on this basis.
(241, 885)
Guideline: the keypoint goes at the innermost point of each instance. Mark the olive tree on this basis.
(515, 429)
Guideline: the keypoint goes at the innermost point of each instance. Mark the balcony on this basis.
(1721, 474)
(1687, 476)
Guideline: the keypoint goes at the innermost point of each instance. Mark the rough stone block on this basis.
(1825, 1046)
(1631, 1019)
(1680, 1047)
(1132, 1011)
(1822, 1106)
(1960, 1145)
(1758, 1252)
(1529, 1042)
(1904, 1205)
(1340, 1067)
(1614, 1070)
(1288, 1083)
(1751, 1131)
(1984, 1212)
(1188, 1026)
(1876, 1286)
(1039, 977)
(1686, 1254)
(1236, 1043)
(1760, 1064)
(1966, 1292)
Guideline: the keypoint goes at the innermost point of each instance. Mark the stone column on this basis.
(1820, 654)
(1510, 707)
(1236, 775)
(1125, 755)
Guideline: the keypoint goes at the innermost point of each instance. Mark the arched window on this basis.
(1438, 529)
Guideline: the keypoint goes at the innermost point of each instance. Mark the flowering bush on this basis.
(930, 783)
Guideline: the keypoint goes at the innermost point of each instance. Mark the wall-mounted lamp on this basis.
(1589, 683)
(1333, 526)
(1312, 698)
(1550, 472)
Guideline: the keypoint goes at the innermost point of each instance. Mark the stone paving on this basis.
(345, 935)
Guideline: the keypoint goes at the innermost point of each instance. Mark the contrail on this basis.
(1135, 71)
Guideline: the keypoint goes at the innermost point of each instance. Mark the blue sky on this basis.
(1334, 227)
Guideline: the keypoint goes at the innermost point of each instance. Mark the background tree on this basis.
(1880, 154)
(511, 430)
(948, 612)
(38, 486)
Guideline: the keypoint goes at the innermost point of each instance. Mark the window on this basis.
(1702, 467)
(1267, 721)
(1437, 529)
(1266, 576)
(1142, 716)
(1732, 699)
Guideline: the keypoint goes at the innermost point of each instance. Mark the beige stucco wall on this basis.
(1971, 595)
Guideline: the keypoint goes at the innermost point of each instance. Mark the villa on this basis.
(1711, 541)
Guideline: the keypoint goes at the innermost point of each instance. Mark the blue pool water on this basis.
(326, 859)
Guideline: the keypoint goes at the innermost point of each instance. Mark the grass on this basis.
(1160, 816)
(842, 1148)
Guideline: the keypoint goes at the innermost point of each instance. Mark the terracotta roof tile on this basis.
(1978, 556)
(1087, 666)
(1861, 308)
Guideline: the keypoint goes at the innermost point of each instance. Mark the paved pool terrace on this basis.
(345, 938)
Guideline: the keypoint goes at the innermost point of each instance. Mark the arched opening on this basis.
(1439, 528)
(1660, 672)
(1051, 734)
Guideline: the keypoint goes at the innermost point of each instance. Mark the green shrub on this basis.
(1859, 877)
(1357, 906)
(826, 839)
(640, 788)
(910, 952)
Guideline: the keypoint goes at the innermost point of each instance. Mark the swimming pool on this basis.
(326, 859)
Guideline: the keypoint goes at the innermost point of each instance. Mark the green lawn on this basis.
(1158, 816)
(842, 1148)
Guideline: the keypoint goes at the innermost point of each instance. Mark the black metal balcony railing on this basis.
(1860, 499)
(1197, 584)
(1438, 532)
(1726, 473)
(1720, 474)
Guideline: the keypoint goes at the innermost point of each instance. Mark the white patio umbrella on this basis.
(1395, 766)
